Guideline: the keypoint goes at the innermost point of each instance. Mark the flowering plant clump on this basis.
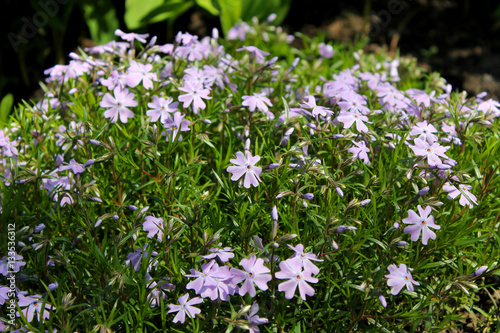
(243, 184)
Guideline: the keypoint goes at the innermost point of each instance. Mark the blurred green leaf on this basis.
(209, 6)
(101, 19)
(230, 13)
(139, 13)
(5, 107)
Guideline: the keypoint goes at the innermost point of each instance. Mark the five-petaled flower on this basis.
(245, 165)
(184, 308)
(292, 269)
(400, 277)
(254, 273)
(420, 224)
(118, 105)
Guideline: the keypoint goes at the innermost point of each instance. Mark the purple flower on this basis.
(310, 103)
(219, 287)
(138, 72)
(202, 277)
(223, 254)
(466, 197)
(161, 108)
(256, 53)
(174, 125)
(157, 293)
(75, 167)
(118, 105)
(34, 305)
(421, 224)
(254, 319)
(194, 94)
(424, 131)
(184, 308)
(306, 258)
(259, 101)
(326, 51)
(131, 36)
(430, 150)
(135, 258)
(360, 151)
(245, 165)
(6, 266)
(292, 269)
(254, 273)
(154, 226)
(400, 277)
(349, 118)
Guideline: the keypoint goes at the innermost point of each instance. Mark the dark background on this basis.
(460, 39)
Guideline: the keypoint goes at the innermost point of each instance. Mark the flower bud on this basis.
(340, 229)
(396, 225)
(382, 300)
(39, 228)
(53, 286)
(273, 166)
(365, 202)
(115, 217)
(274, 213)
(479, 271)
(423, 191)
(308, 196)
(132, 208)
(271, 17)
(339, 191)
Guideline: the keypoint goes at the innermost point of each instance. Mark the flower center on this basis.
(119, 104)
(429, 150)
(298, 277)
(250, 274)
(249, 167)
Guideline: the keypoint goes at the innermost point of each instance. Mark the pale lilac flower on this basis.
(466, 197)
(76, 167)
(118, 105)
(292, 269)
(256, 53)
(202, 277)
(7, 266)
(420, 224)
(400, 277)
(245, 165)
(430, 150)
(254, 273)
(220, 286)
(360, 151)
(259, 101)
(490, 104)
(223, 254)
(184, 308)
(138, 72)
(254, 319)
(325, 50)
(174, 125)
(310, 103)
(4, 291)
(195, 93)
(116, 78)
(154, 225)
(306, 258)
(135, 258)
(349, 118)
(56, 186)
(131, 36)
(238, 31)
(157, 292)
(33, 305)
(424, 131)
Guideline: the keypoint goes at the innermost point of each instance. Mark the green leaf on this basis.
(5, 107)
(101, 19)
(139, 13)
(208, 5)
(230, 13)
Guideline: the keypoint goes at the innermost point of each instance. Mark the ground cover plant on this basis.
(242, 184)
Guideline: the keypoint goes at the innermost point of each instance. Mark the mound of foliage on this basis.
(243, 184)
